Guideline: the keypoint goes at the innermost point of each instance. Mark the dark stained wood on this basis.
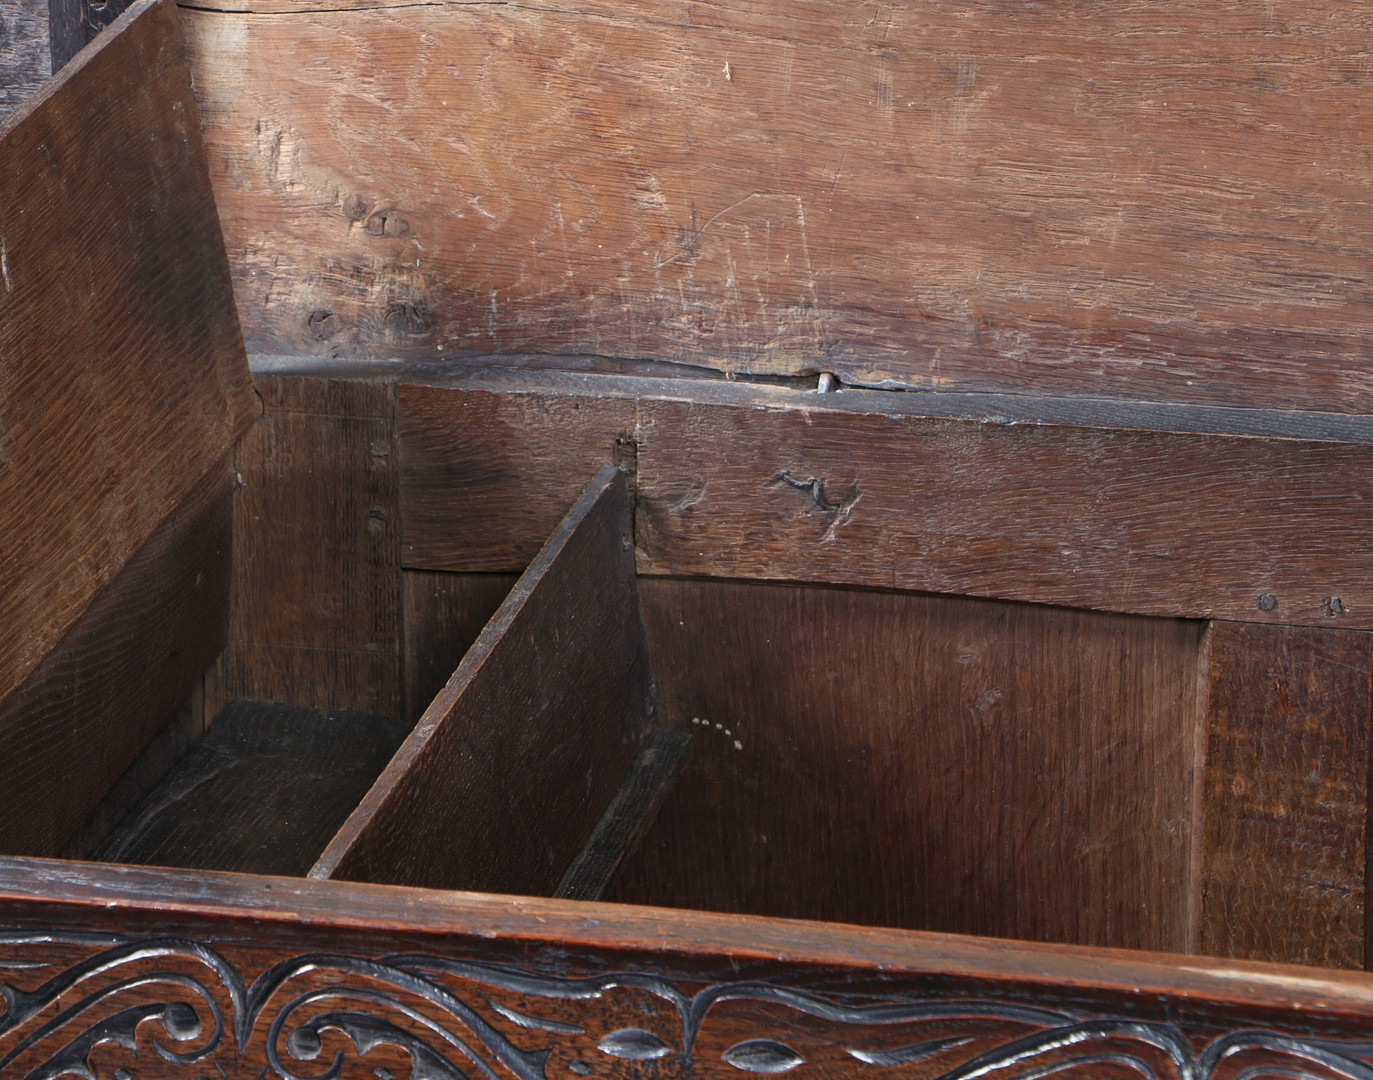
(82, 716)
(936, 763)
(158, 758)
(442, 617)
(508, 771)
(408, 980)
(316, 549)
(509, 463)
(859, 488)
(1162, 201)
(262, 792)
(121, 366)
(73, 24)
(25, 62)
(1286, 794)
(631, 813)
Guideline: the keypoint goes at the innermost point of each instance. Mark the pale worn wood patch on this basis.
(1166, 201)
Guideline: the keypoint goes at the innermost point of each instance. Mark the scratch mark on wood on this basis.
(690, 245)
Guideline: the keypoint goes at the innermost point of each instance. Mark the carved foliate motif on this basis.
(98, 1006)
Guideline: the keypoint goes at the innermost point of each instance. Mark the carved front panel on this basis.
(105, 1005)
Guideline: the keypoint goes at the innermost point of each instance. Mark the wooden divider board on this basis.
(509, 769)
(860, 488)
(1154, 201)
(123, 381)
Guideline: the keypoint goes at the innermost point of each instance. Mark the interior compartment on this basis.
(859, 756)
(947, 671)
(881, 757)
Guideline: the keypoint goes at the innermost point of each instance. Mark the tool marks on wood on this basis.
(1159, 202)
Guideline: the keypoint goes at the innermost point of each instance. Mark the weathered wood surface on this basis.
(1163, 201)
(442, 616)
(934, 763)
(74, 24)
(84, 713)
(262, 793)
(1285, 815)
(123, 380)
(629, 817)
(25, 62)
(859, 488)
(316, 603)
(409, 982)
(509, 769)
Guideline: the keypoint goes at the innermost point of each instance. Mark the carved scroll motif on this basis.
(155, 1007)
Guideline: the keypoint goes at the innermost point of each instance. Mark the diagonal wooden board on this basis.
(510, 768)
(123, 381)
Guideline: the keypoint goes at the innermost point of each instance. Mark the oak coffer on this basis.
(656, 539)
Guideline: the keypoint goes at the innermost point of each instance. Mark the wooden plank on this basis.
(628, 818)
(1287, 794)
(123, 381)
(860, 488)
(73, 24)
(262, 793)
(1163, 201)
(508, 771)
(519, 459)
(25, 62)
(316, 612)
(442, 616)
(84, 713)
(936, 763)
(543, 987)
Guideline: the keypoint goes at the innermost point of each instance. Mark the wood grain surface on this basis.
(647, 783)
(84, 713)
(111, 965)
(25, 62)
(262, 792)
(159, 756)
(316, 613)
(73, 24)
(1163, 201)
(936, 763)
(512, 765)
(860, 488)
(507, 462)
(122, 374)
(1285, 816)
(442, 616)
